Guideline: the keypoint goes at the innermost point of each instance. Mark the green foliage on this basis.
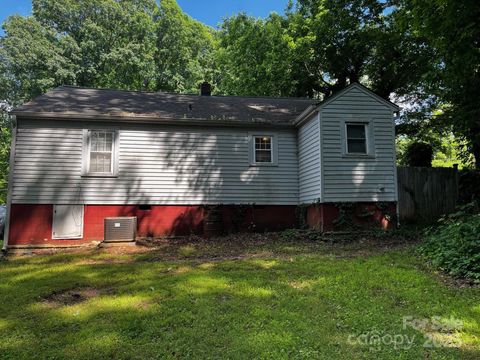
(135, 45)
(5, 140)
(453, 244)
(447, 149)
(184, 55)
(450, 28)
(468, 186)
(32, 58)
(339, 42)
(419, 154)
(111, 43)
(255, 56)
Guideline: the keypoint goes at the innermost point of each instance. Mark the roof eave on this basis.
(145, 119)
(305, 115)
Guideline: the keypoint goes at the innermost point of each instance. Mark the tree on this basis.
(255, 56)
(451, 28)
(111, 42)
(185, 48)
(5, 139)
(342, 41)
(32, 60)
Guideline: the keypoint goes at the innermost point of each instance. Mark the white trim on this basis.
(6, 232)
(274, 149)
(86, 153)
(322, 173)
(395, 170)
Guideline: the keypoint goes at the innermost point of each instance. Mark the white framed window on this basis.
(100, 152)
(263, 149)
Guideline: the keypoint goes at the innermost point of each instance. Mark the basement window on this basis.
(356, 138)
(145, 207)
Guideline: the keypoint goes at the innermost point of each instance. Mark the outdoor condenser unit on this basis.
(120, 228)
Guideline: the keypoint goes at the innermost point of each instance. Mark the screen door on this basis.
(67, 222)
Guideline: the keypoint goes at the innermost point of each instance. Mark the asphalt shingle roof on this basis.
(78, 102)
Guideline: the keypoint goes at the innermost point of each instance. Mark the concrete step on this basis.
(104, 244)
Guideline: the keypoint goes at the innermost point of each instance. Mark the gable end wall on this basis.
(349, 179)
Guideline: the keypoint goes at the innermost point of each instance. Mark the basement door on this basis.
(67, 222)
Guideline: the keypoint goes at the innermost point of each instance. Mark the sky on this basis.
(209, 12)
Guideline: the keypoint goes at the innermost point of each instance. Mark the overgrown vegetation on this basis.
(453, 244)
(5, 140)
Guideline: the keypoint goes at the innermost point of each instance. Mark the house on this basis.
(81, 155)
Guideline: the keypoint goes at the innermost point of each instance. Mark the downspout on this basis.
(10, 184)
(395, 115)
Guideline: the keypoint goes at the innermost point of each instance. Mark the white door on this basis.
(67, 222)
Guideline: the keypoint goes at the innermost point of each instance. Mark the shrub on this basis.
(468, 189)
(419, 154)
(454, 244)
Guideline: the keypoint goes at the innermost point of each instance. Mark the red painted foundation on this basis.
(337, 217)
(32, 224)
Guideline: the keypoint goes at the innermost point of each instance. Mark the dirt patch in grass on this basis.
(72, 296)
(242, 246)
(245, 246)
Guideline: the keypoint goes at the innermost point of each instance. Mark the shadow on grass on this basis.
(302, 306)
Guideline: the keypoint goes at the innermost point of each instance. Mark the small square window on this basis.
(356, 138)
(263, 149)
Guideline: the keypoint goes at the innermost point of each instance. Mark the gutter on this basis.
(304, 115)
(135, 119)
(6, 231)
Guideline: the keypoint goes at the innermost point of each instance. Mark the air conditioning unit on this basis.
(118, 229)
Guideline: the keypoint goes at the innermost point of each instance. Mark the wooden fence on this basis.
(424, 194)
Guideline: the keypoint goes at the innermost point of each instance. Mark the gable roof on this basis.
(70, 102)
(316, 107)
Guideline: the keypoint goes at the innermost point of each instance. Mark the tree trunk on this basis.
(475, 140)
(476, 155)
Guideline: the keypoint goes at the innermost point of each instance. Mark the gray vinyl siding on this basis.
(309, 161)
(158, 164)
(347, 179)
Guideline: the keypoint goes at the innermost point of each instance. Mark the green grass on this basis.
(283, 300)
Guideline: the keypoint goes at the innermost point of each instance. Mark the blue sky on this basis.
(209, 12)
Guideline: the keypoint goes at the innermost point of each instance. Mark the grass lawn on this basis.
(259, 299)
